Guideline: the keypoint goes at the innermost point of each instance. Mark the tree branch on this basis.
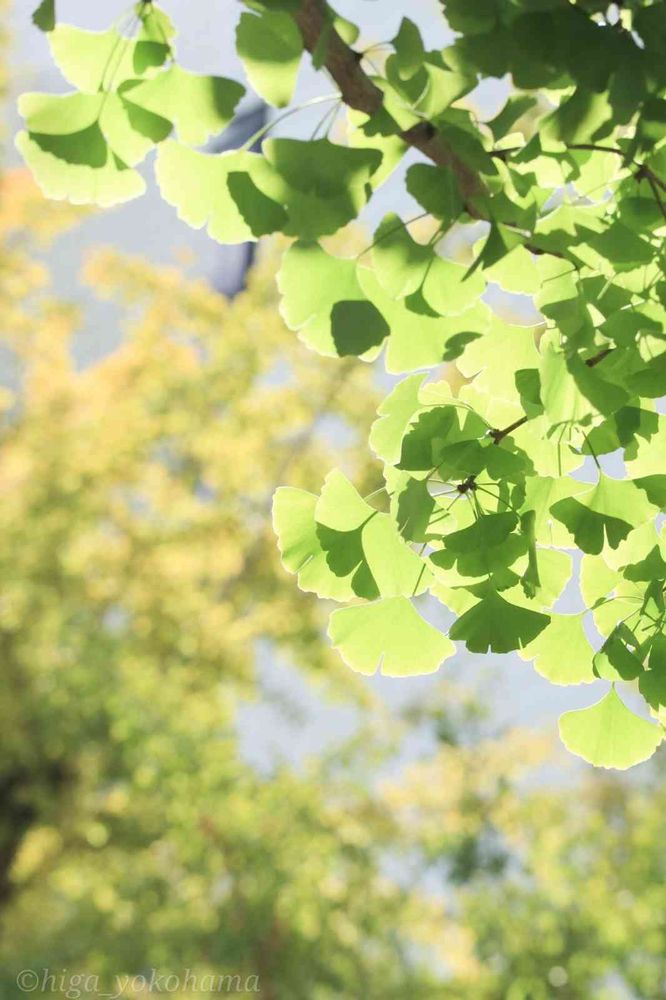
(359, 92)
(591, 362)
(498, 436)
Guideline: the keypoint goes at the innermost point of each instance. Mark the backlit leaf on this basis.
(609, 735)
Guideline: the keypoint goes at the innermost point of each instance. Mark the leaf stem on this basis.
(287, 114)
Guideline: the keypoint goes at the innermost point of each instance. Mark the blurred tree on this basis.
(553, 877)
(139, 573)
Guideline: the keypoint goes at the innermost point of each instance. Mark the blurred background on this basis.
(190, 780)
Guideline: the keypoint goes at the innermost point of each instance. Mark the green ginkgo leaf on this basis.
(616, 661)
(447, 289)
(110, 183)
(412, 505)
(400, 262)
(340, 506)
(270, 46)
(69, 155)
(198, 106)
(436, 189)
(329, 310)
(389, 636)
(609, 735)
(44, 17)
(394, 414)
(197, 185)
(323, 185)
(323, 541)
(409, 50)
(103, 60)
(494, 624)
(562, 653)
(130, 131)
(419, 337)
(301, 549)
(652, 682)
(610, 508)
(79, 125)
(486, 532)
(444, 435)
(395, 567)
(361, 540)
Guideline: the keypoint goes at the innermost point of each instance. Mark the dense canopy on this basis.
(550, 440)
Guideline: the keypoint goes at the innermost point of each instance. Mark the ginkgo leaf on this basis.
(615, 661)
(270, 46)
(610, 508)
(329, 310)
(44, 17)
(409, 50)
(652, 682)
(444, 435)
(351, 532)
(198, 106)
(131, 132)
(303, 189)
(448, 290)
(412, 505)
(394, 414)
(102, 60)
(197, 185)
(323, 541)
(395, 567)
(68, 153)
(609, 735)
(486, 532)
(389, 636)
(77, 128)
(436, 189)
(324, 185)
(340, 505)
(562, 399)
(562, 652)
(400, 262)
(301, 549)
(418, 337)
(495, 624)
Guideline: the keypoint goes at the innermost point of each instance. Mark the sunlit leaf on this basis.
(494, 624)
(270, 46)
(198, 106)
(389, 636)
(608, 735)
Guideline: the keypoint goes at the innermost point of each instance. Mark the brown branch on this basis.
(359, 92)
(591, 362)
(538, 251)
(498, 436)
(594, 147)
